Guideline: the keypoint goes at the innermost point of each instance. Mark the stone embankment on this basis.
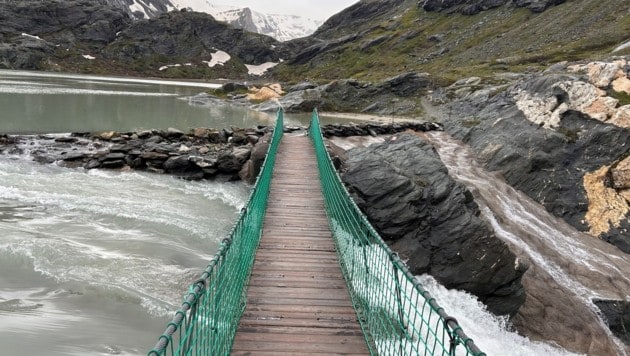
(202, 153)
(229, 153)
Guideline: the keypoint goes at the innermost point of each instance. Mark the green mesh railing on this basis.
(397, 315)
(207, 320)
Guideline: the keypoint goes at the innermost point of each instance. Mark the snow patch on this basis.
(31, 36)
(87, 56)
(113, 79)
(260, 69)
(622, 47)
(201, 6)
(137, 6)
(169, 66)
(218, 58)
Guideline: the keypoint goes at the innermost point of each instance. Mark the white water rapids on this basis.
(95, 262)
(567, 268)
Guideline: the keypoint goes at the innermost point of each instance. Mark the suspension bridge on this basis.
(303, 273)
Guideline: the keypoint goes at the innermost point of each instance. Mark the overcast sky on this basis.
(315, 9)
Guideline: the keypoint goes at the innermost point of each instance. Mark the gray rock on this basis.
(178, 164)
(114, 156)
(92, 164)
(374, 42)
(113, 164)
(302, 86)
(203, 162)
(232, 161)
(432, 221)
(232, 87)
(406, 84)
(617, 316)
(252, 167)
(151, 155)
(76, 156)
(174, 133)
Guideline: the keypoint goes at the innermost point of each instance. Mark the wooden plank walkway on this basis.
(297, 301)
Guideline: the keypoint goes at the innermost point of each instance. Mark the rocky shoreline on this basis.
(200, 154)
(203, 153)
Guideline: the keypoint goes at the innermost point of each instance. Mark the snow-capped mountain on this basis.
(281, 27)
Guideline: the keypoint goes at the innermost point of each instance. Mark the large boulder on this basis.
(231, 162)
(432, 221)
(250, 170)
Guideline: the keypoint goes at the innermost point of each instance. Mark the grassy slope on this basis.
(503, 39)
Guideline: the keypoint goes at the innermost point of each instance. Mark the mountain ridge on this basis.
(396, 36)
(280, 27)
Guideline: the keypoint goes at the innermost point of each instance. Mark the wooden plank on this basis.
(289, 255)
(297, 301)
(280, 244)
(299, 338)
(301, 331)
(288, 353)
(284, 300)
(297, 274)
(337, 310)
(317, 317)
(308, 348)
(306, 322)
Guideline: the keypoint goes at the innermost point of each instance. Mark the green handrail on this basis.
(207, 320)
(397, 315)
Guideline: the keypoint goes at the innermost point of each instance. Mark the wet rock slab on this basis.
(432, 221)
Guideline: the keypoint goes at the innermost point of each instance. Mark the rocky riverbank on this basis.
(562, 137)
(203, 153)
(200, 154)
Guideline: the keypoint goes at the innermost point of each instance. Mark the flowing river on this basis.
(567, 268)
(95, 262)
